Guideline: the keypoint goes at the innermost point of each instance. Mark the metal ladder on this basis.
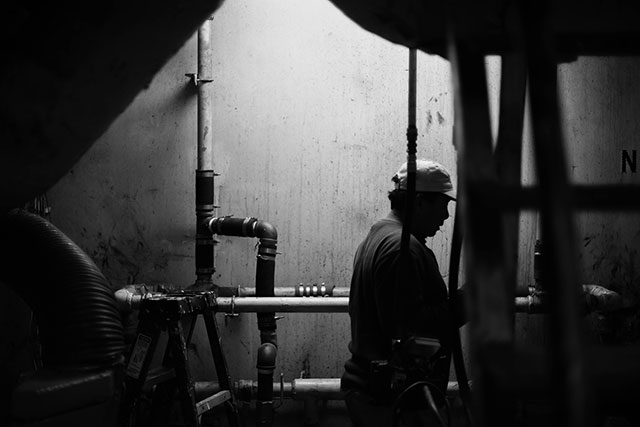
(166, 312)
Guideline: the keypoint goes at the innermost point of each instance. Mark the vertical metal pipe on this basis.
(205, 118)
(204, 174)
(266, 364)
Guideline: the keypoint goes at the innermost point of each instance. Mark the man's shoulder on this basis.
(386, 235)
(386, 226)
(386, 231)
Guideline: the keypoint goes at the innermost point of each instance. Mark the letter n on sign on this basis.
(629, 160)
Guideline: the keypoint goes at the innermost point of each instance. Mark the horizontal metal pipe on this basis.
(530, 304)
(593, 298)
(297, 389)
(282, 305)
(596, 298)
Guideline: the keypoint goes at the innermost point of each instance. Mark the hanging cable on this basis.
(458, 357)
(412, 137)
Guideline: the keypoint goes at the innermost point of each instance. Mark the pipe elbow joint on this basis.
(267, 353)
(264, 230)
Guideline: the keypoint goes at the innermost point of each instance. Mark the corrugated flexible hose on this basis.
(79, 325)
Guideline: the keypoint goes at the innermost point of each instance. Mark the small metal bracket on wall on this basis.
(233, 313)
(233, 308)
(197, 80)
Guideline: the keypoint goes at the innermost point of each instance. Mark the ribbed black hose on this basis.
(79, 325)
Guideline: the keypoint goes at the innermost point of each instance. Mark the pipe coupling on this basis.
(127, 301)
(313, 290)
